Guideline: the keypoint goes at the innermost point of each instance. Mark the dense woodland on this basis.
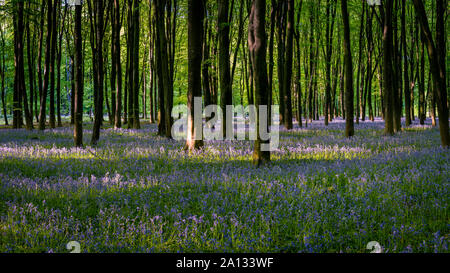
(124, 62)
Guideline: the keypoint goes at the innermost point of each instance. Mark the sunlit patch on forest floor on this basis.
(137, 192)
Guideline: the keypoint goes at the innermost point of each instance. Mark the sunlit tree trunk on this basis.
(195, 39)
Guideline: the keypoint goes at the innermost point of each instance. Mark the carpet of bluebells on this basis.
(137, 192)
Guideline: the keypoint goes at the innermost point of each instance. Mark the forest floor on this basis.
(137, 192)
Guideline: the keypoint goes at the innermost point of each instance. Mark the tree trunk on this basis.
(195, 39)
(287, 73)
(389, 92)
(226, 95)
(407, 91)
(133, 65)
(281, 37)
(30, 57)
(257, 45)
(206, 59)
(165, 87)
(78, 79)
(52, 63)
(97, 49)
(422, 116)
(2, 73)
(118, 66)
(43, 104)
(329, 53)
(349, 129)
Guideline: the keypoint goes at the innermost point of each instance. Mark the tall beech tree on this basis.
(257, 44)
(2, 74)
(195, 41)
(330, 9)
(226, 95)
(55, 14)
(287, 73)
(165, 86)
(45, 83)
(406, 83)
(79, 79)
(389, 92)
(116, 75)
(349, 128)
(133, 64)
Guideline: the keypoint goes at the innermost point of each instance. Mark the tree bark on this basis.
(257, 45)
(78, 73)
(118, 66)
(406, 84)
(195, 39)
(349, 128)
(43, 104)
(388, 96)
(287, 74)
(226, 95)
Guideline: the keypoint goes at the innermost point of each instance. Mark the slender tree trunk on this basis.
(329, 53)
(2, 73)
(52, 63)
(281, 37)
(405, 68)
(133, 64)
(358, 77)
(97, 28)
(58, 70)
(195, 39)
(287, 73)
(118, 66)
(151, 64)
(165, 87)
(78, 79)
(206, 59)
(273, 14)
(257, 45)
(389, 92)
(349, 129)
(30, 58)
(43, 104)
(422, 116)
(226, 95)
(72, 90)
(113, 74)
(396, 72)
(299, 73)
(39, 66)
